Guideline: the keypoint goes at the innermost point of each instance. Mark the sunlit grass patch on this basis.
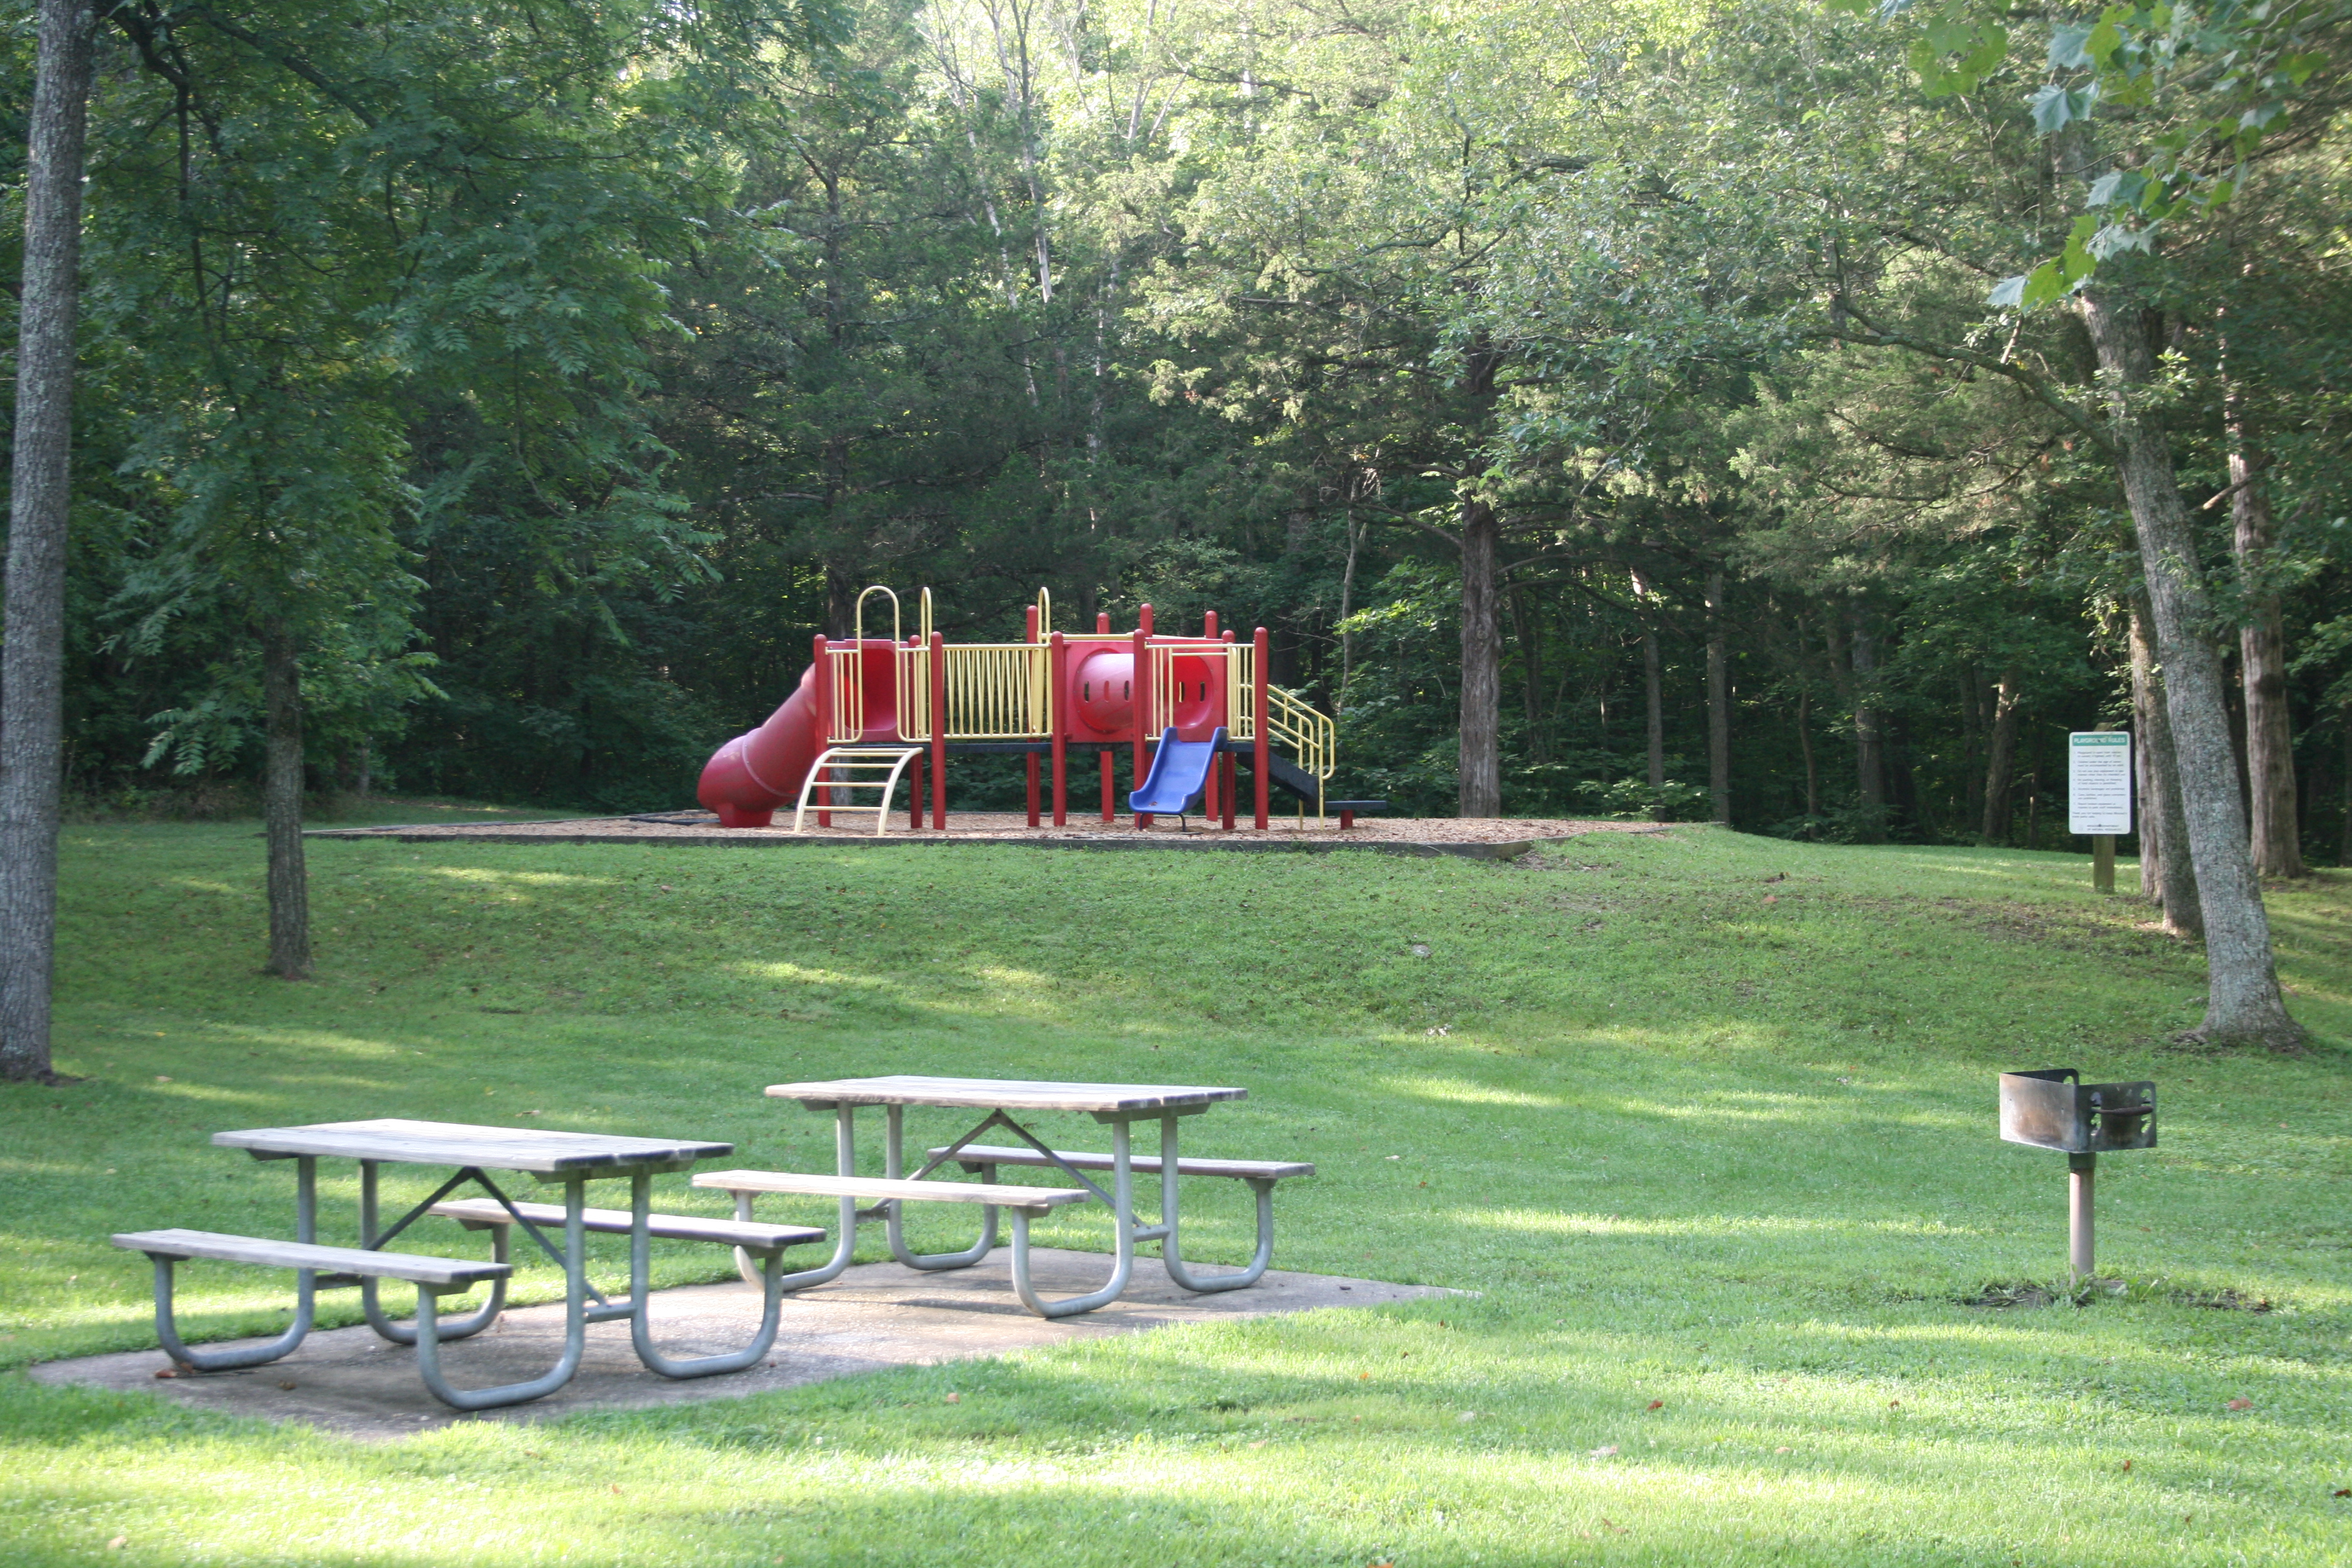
(1683, 1148)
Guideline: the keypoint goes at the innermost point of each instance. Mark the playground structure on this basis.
(870, 712)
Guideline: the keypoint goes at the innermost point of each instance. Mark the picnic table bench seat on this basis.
(435, 1274)
(972, 1156)
(879, 1189)
(480, 1214)
(1261, 1176)
(325, 1266)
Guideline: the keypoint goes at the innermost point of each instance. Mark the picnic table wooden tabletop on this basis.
(531, 1150)
(999, 1094)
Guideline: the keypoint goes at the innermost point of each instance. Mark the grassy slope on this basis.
(1692, 1147)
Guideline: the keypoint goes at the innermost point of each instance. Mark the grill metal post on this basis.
(2082, 1177)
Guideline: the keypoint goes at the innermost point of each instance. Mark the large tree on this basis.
(39, 502)
(325, 228)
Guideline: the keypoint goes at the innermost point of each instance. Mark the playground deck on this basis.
(1496, 839)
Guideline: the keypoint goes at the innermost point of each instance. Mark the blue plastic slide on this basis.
(1179, 769)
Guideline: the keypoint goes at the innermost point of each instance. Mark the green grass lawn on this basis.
(1716, 1153)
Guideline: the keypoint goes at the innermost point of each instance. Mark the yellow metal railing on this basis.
(1165, 696)
(847, 719)
(1311, 737)
(1240, 690)
(1000, 691)
(914, 665)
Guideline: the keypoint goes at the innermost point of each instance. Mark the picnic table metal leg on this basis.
(894, 1165)
(640, 1297)
(575, 1323)
(306, 1229)
(1184, 1277)
(379, 1320)
(1122, 1206)
(845, 1156)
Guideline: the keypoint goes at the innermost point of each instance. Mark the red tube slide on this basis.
(751, 775)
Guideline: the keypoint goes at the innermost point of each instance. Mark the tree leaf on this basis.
(2043, 284)
(2115, 239)
(2077, 262)
(2105, 39)
(2056, 106)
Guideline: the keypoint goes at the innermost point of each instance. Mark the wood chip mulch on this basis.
(700, 828)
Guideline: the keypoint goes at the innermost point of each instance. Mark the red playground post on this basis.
(823, 721)
(1225, 765)
(1258, 718)
(1061, 670)
(939, 663)
(1142, 689)
(1029, 634)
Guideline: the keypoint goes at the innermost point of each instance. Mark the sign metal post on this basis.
(2099, 796)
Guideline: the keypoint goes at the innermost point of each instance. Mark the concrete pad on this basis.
(875, 1316)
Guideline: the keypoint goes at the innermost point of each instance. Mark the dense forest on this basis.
(544, 375)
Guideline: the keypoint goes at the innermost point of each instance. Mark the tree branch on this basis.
(1873, 335)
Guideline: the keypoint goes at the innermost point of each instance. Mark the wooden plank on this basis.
(1143, 1164)
(424, 1270)
(1000, 1094)
(540, 1152)
(741, 1233)
(876, 1188)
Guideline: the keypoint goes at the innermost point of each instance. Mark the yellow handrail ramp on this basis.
(867, 767)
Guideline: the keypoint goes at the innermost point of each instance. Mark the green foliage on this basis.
(584, 367)
(2191, 93)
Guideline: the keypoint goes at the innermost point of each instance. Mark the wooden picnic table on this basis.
(1116, 1105)
(547, 1155)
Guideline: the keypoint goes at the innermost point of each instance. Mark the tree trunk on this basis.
(1347, 608)
(2172, 881)
(840, 603)
(281, 805)
(1523, 629)
(2344, 850)
(1812, 768)
(1718, 701)
(2033, 798)
(32, 662)
(2243, 1004)
(2001, 756)
(1902, 784)
(1869, 744)
(1973, 730)
(1481, 778)
(2275, 830)
(2147, 819)
(1653, 691)
(2148, 838)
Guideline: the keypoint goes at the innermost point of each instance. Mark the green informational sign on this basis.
(2099, 782)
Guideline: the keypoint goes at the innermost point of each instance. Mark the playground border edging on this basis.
(1509, 849)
